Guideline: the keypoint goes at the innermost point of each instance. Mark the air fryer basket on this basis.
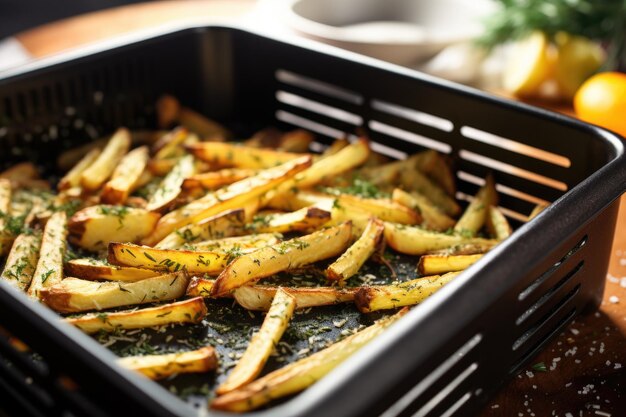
(449, 354)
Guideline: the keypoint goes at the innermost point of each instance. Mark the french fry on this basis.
(295, 141)
(301, 374)
(414, 180)
(187, 311)
(161, 167)
(259, 297)
(170, 187)
(49, 270)
(232, 154)
(434, 218)
(74, 295)
(335, 147)
(162, 366)
(92, 228)
(125, 176)
(73, 176)
(497, 225)
(435, 167)
(203, 126)
(6, 236)
(195, 262)
(225, 224)
(385, 297)
(200, 287)
(384, 209)
(216, 179)
(243, 244)
(262, 343)
(20, 265)
(101, 169)
(167, 109)
(92, 269)
(286, 255)
(169, 144)
(470, 248)
(475, 214)
(538, 209)
(353, 259)
(416, 241)
(440, 264)
(230, 197)
(306, 219)
(24, 171)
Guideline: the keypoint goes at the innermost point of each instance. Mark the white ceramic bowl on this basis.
(399, 31)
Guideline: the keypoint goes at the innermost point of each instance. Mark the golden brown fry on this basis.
(262, 343)
(301, 374)
(200, 287)
(434, 219)
(384, 209)
(259, 297)
(216, 179)
(170, 187)
(225, 224)
(6, 237)
(384, 297)
(187, 311)
(414, 180)
(230, 197)
(241, 244)
(167, 109)
(23, 171)
(538, 209)
(200, 262)
(335, 147)
(72, 178)
(92, 269)
(440, 264)
(435, 167)
(233, 154)
(125, 176)
(351, 260)
(75, 295)
(49, 270)
(286, 255)
(475, 214)
(417, 241)
(92, 228)
(497, 225)
(162, 366)
(295, 141)
(102, 168)
(306, 219)
(168, 145)
(20, 265)
(203, 126)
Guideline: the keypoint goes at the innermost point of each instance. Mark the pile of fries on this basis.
(178, 218)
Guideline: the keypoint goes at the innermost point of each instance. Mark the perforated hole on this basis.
(549, 294)
(417, 116)
(318, 86)
(457, 405)
(317, 107)
(511, 169)
(503, 189)
(535, 328)
(410, 137)
(543, 277)
(331, 132)
(446, 391)
(514, 146)
(407, 399)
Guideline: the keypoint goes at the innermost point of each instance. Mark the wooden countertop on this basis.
(585, 365)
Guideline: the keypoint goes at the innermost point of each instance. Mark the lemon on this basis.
(529, 65)
(578, 59)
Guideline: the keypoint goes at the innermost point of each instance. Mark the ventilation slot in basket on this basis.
(319, 108)
(303, 122)
(514, 146)
(512, 170)
(548, 295)
(543, 277)
(506, 211)
(319, 87)
(502, 189)
(400, 406)
(420, 117)
(410, 137)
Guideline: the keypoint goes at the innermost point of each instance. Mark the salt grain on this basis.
(617, 366)
(613, 299)
(574, 332)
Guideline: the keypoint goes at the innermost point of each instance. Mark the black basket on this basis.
(449, 354)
